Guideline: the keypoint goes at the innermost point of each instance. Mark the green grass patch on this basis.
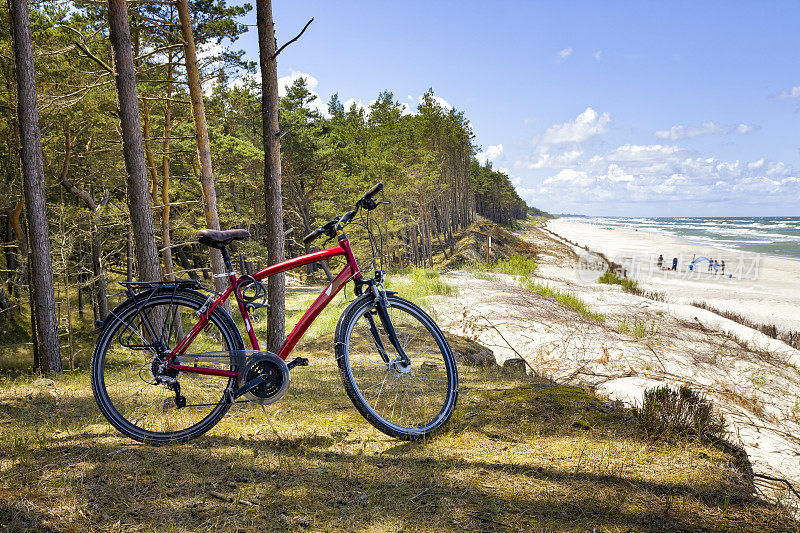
(517, 265)
(569, 300)
(612, 278)
(638, 328)
(419, 283)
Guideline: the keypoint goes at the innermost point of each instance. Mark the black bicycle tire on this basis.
(124, 311)
(344, 329)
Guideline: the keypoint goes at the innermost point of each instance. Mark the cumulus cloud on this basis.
(490, 154)
(584, 127)
(564, 54)
(657, 172)
(707, 128)
(794, 92)
(572, 171)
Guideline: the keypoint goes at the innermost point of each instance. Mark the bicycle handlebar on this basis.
(329, 228)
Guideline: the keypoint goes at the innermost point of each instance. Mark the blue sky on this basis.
(606, 108)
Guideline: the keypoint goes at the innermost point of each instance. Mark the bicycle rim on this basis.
(127, 386)
(402, 401)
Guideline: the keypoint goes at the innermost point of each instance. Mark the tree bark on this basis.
(201, 134)
(34, 190)
(276, 315)
(147, 263)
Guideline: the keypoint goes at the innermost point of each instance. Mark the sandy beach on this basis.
(764, 288)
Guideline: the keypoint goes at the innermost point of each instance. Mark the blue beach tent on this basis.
(698, 260)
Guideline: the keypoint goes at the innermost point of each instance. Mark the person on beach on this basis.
(674, 263)
(716, 266)
(710, 264)
(722, 264)
(660, 261)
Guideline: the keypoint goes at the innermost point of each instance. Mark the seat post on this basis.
(226, 258)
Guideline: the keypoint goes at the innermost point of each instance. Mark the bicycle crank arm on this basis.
(247, 387)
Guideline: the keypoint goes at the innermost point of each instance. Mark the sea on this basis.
(777, 236)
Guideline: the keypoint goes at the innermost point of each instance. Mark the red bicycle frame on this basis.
(349, 272)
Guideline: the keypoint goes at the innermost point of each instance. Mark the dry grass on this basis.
(519, 454)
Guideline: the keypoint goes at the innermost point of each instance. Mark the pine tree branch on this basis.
(279, 50)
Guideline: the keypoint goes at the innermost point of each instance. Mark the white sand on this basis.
(764, 288)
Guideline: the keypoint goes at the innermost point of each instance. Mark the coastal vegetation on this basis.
(612, 278)
(567, 299)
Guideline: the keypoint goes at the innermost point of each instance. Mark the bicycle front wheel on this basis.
(133, 389)
(405, 401)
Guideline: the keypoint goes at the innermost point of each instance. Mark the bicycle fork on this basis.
(402, 363)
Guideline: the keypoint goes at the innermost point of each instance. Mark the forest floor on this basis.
(520, 454)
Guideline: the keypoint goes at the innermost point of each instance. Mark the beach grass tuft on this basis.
(638, 328)
(569, 299)
(517, 265)
(792, 338)
(628, 285)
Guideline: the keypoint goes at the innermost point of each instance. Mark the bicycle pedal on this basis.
(297, 361)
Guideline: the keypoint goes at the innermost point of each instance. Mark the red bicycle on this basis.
(170, 361)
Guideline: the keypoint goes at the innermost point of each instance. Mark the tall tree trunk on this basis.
(201, 134)
(34, 190)
(276, 315)
(146, 252)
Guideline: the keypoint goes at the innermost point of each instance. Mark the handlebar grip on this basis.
(373, 191)
(311, 236)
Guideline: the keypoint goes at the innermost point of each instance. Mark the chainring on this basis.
(274, 369)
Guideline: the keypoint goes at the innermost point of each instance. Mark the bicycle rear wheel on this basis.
(405, 401)
(131, 387)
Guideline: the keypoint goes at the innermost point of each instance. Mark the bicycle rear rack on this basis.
(132, 288)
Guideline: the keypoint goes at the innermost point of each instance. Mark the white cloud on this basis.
(585, 126)
(794, 92)
(564, 54)
(657, 172)
(707, 128)
(284, 82)
(545, 158)
(744, 129)
(490, 154)
(598, 55)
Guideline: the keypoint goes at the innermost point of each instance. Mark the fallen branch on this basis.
(780, 480)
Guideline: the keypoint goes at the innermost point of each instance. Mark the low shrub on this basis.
(669, 414)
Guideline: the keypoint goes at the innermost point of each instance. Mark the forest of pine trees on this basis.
(425, 157)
